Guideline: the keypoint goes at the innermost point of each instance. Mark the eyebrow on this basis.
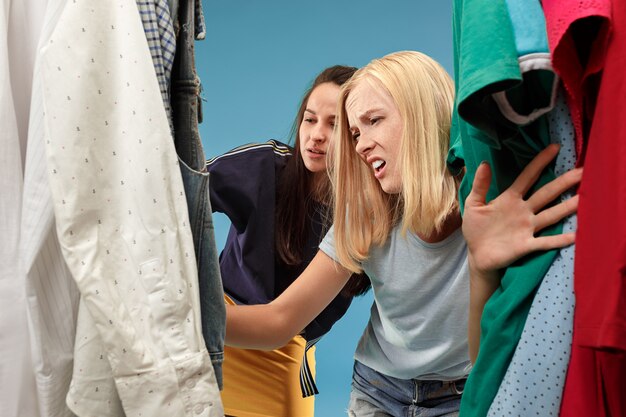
(332, 116)
(369, 112)
(365, 115)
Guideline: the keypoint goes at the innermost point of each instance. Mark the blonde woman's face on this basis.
(376, 127)
(317, 126)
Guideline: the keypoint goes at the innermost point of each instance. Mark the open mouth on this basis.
(378, 165)
(317, 151)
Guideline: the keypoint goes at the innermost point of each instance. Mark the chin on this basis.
(391, 188)
(315, 166)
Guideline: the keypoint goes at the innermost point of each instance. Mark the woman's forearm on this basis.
(269, 326)
(482, 286)
(257, 327)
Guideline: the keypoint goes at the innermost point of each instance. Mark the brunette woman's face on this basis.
(376, 126)
(317, 126)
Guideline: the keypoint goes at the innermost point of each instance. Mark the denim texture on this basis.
(376, 395)
(185, 93)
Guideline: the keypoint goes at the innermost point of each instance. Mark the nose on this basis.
(320, 133)
(363, 145)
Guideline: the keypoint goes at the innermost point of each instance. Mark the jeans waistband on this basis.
(426, 389)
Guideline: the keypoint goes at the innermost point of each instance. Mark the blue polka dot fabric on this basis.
(534, 381)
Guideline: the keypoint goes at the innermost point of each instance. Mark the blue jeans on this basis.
(377, 395)
(185, 93)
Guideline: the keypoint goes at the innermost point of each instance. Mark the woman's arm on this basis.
(269, 326)
(482, 286)
(502, 231)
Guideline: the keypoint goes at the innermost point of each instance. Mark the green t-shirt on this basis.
(486, 62)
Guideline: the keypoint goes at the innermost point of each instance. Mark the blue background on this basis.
(255, 63)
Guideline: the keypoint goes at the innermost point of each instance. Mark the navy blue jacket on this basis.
(243, 186)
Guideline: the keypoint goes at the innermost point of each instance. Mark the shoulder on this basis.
(254, 151)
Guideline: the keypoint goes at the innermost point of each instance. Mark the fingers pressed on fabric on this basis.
(480, 186)
(531, 172)
(554, 242)
(554, 188)
(556, 213)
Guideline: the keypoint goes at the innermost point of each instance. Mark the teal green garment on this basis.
(529, 25)
(536, 95)
(486, 62)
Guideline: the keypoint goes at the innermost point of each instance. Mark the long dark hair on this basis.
(295, 197)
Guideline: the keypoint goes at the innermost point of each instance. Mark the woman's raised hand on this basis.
(503, 230)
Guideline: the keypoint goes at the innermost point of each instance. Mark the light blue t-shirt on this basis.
(418, 322)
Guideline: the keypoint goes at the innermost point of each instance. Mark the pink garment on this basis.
(568, 22)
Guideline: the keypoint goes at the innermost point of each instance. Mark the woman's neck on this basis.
(319, 187)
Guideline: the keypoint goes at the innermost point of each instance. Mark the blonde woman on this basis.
(397, 218)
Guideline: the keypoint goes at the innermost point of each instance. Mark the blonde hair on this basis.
(364, 214)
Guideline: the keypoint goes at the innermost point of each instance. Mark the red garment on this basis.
(594, 385)
(598, 387)
(578, 31)
(600, 265)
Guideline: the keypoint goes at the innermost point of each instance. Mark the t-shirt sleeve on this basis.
(455, 159)
(327, 245)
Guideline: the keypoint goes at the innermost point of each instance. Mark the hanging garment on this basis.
(52, 292)
(534, 381)
(489, 60)
(536, 94)
(578, 32)
(594, 383)
(16, 368)
(199, 21)
(200, 25)
(38, 295)
(173, 8)
(122, 217)
(186, 110)
(92, 388)
(159, 30)
(595, 378)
